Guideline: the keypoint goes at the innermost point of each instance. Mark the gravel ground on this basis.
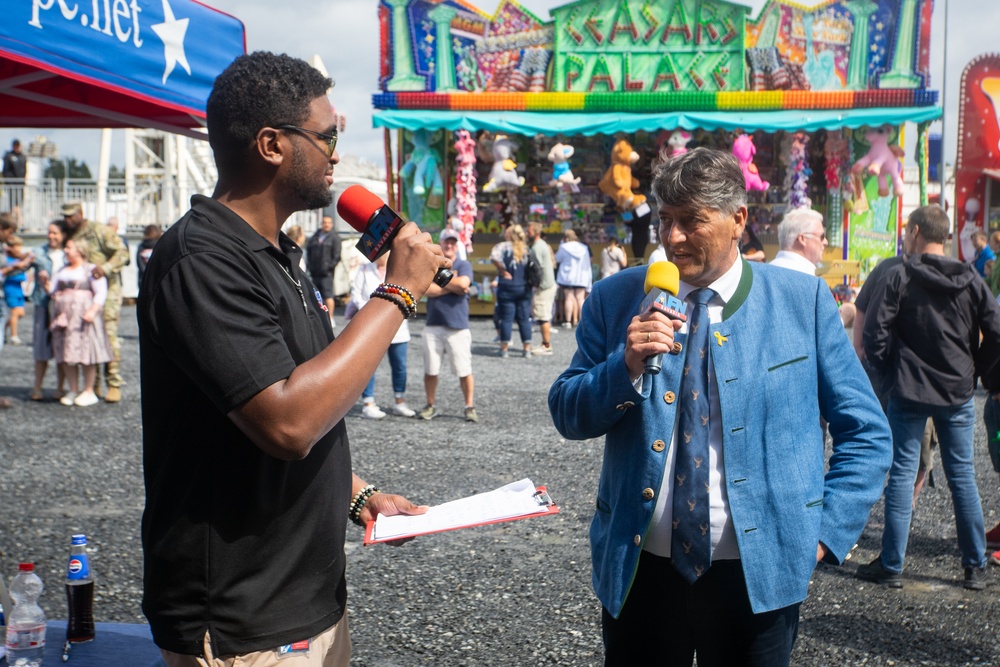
(509, 594)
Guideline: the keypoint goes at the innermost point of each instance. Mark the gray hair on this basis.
(797, 221)
(703, 179)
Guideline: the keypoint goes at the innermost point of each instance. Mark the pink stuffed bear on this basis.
(882, 159)
(744, 150)
(678, 142)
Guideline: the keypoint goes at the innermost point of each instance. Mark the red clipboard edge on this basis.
(370, 526)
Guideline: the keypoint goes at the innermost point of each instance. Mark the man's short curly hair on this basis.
(259, 89)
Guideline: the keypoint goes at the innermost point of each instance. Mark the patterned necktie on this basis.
(691, 542)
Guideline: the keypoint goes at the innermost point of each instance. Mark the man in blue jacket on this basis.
(774, 360)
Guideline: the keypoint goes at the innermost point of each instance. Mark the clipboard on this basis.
(542, 506)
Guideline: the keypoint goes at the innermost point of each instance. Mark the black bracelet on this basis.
(358, 503)
(393, 299)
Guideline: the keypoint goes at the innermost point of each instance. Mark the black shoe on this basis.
(874, 571)
(974, 579)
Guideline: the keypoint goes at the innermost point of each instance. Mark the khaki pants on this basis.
(330, 648)
(112, 314)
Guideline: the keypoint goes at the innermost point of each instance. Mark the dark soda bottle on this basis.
(79, 593)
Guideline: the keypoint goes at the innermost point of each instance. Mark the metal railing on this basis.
(37, 202)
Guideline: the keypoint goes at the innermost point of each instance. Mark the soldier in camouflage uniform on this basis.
(108, 255)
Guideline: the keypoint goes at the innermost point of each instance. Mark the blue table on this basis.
(129, 645)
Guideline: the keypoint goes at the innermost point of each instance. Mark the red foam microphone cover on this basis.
(356, 205)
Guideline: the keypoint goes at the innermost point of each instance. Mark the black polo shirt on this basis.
(236, 542)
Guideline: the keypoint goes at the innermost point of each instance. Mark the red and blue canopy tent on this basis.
(113, 63)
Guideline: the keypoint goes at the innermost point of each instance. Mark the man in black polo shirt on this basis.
(244, 389)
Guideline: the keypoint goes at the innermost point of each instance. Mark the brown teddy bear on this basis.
(618, 182)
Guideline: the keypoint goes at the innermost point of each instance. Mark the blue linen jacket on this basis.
(781, 362)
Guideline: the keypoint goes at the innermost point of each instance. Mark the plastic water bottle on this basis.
(79, 596)
(26, 623)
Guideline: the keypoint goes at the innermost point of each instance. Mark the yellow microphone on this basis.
(663, 280)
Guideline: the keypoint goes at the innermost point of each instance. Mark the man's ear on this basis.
(271, 146)
(740, 222)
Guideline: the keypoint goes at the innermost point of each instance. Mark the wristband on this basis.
(358, 503)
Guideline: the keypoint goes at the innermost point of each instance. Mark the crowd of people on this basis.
(76, 296)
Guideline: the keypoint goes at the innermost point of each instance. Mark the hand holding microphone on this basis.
(661, 313)
(414, 257)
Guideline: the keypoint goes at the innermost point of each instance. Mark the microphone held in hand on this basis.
(377, 223)
(662, 282)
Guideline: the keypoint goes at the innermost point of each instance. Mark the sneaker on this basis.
(504, 354)
(874, 571)
(471, 416)
(68, 398)
(85, 399)
(371, 411)
(995, 558)
(16, 340)
(974, 579)
(428, 413)
(567, 325)
(542, 351)
(527, 353)
(993, 537)
(401, 410)
(114, 395)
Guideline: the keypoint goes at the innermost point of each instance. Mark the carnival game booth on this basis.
(977, 170)
(505, 117)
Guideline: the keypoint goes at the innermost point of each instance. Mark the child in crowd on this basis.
(13, 287)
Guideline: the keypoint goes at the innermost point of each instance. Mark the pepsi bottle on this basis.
(79, 593)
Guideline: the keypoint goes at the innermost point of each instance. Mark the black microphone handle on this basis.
(654, 363)
(443, 277)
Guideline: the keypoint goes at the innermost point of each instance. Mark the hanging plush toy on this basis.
(503, 174)
(882, 159)
(795, 148)
(562, 176)
(678, 141)
(422, 178)
(618, 182)
(744, 150)
(465, 187)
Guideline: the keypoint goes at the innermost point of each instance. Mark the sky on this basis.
(344, 34)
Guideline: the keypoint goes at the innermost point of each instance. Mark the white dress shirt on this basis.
(787, 259)
(723, 534)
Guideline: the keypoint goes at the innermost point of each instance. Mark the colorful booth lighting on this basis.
(770, 100)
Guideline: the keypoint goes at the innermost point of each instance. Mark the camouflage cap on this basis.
(72, 208)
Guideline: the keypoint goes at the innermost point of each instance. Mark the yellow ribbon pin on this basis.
(720, 338)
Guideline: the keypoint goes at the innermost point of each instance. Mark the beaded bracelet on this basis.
(358, 503)
(401, 292)
(392, 299)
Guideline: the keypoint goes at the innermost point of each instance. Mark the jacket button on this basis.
(659, 445)
(637, 540)
(628, 404)
(677, 348)
(647, 494)
(620, 406)
(669, 397)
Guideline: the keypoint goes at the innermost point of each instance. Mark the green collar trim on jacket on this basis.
(742, 291)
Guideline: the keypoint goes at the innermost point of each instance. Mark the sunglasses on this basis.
(330, 139)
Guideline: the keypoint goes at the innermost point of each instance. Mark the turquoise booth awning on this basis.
(529, 123)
